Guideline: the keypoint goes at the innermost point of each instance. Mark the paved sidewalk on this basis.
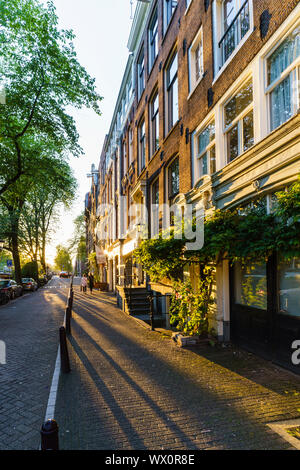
(29, 326)
(131, 388)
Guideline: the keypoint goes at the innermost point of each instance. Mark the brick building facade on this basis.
(207, 113)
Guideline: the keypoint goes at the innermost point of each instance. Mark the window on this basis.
(169, 8)
(155, 208)
(172, 93)
(130, 146)
(250, 285)
(206, 151)
(232, 20)
(142, 146)
(289, 287)
(283, 77)
(239, 127)
(125, 166)
(153, 39)
(173, 179)
(141, 73)
(154, 124)
(196, 61)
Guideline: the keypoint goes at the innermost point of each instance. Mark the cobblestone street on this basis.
(131, 388)
(29, 328)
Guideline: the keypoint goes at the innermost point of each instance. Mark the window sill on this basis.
(154, 155)
(196, 86)
(225, 65)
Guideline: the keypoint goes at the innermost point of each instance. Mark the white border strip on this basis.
(53, 390)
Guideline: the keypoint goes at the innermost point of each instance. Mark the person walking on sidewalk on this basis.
(91, 282)
(83, 283)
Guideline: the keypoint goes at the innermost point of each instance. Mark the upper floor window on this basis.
(206, 151)
(141, 73)
(173, 179)
(169, 8)
(283, 79)
(142, 146)
(153, 39)
(154, 124)
(172, 92)
(239, 125)
(130, 156)
(196, 60)
(232, 21)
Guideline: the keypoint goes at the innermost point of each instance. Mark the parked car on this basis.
(64, 274)
(29, 284)
(10, 288)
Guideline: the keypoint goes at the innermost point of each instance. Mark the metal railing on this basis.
(235, 32)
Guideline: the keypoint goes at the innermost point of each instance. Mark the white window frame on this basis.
(199, 155)
(238, 120)
(217, 22)
(293, 70)
(168, 120)
(193, 81)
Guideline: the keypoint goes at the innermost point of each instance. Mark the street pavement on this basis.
(29, 327)
(131, 388)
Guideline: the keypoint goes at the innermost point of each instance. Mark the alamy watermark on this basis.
(2, 352)
(296, 354)
(182, 220)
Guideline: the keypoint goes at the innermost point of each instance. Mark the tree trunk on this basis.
(16, 255)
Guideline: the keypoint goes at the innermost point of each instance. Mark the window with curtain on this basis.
(239, 124)
(283, 79)
(196, 60)
(153, 39)
(172, 92)
(206, 151)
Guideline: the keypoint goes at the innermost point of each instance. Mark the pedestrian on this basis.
(83, 283)
(91, 282)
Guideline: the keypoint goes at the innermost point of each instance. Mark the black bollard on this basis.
(49, 435)
(68, 320)
(64, 356)
(70, 303)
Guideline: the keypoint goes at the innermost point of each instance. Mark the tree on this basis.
(42, 77)
(63, 259)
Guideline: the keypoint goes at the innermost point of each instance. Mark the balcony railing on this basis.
(235, 32)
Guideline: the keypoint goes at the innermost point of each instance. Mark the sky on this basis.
(102, 29)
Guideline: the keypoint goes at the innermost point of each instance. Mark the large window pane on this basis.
(233, 143)
(289, 287)
(281, 103)
(239, 102)
(248, 131)
(173, 176)
(250, 284)
(284, 55)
